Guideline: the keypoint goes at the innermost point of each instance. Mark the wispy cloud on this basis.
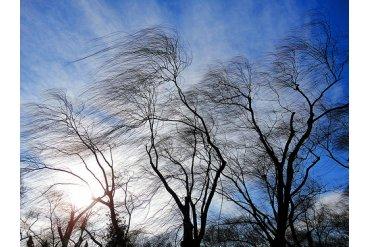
(55, 33)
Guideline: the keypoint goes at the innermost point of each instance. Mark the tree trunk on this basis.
(282, 219)
(280, 239)
(188, 234)
(188, 240)
(190, 243)
(66, 237)
(119, 240)
(309, 239)
(65, 242)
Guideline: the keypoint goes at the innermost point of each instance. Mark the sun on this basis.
(80, 196)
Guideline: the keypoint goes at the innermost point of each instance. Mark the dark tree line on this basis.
(251, 133)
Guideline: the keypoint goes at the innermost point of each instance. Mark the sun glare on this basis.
(80, 196)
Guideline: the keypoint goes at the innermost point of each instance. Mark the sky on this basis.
(56, 33)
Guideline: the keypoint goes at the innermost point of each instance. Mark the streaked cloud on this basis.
(55, 33)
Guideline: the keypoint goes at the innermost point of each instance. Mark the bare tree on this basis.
(324, 222)
(70, 225)
(65, 137)
(142, 88)
(54, 223)
(274, 113)
(27, 232)
(234, 231)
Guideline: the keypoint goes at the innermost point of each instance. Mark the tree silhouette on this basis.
(275, 113)
(142, 88)
(62, 130)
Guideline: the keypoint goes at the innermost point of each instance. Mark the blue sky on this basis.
(54, 33)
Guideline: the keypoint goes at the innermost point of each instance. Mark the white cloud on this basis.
(54, 34)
